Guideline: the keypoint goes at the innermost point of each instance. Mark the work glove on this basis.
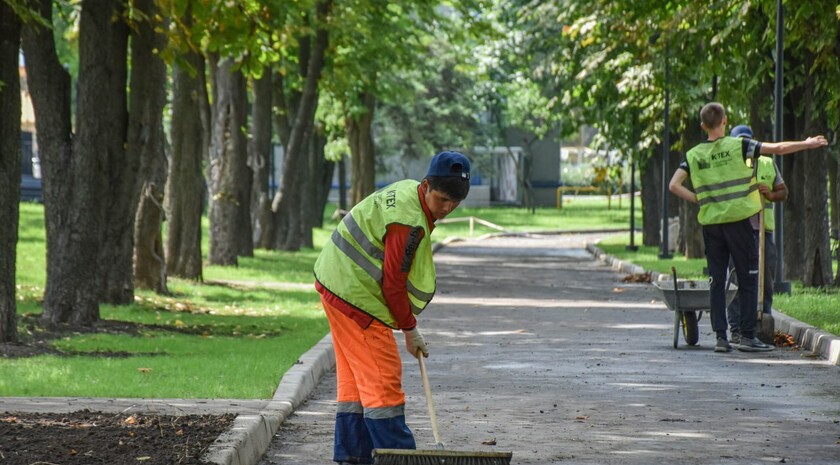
(414, 341)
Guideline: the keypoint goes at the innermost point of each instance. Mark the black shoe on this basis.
(722, 345)
(750, 344)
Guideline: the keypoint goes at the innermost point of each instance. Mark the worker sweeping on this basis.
(374, 275)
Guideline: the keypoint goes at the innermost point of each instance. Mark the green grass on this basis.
(648, 257)
(216, 340)
(205, 341)
(578, 213)
(817, 307)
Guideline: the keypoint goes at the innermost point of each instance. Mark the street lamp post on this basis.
(665, 253)
(780, 285)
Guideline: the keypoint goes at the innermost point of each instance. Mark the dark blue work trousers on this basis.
(733, 312)
(736, 241)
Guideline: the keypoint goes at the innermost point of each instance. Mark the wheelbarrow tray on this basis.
(694, 294)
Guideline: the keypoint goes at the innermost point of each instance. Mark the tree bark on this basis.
(287, 203)
(650, 172)
(10, 153)
(109, 107)
(362, 157)
(807, 252)
(835, 209)
(818, 272)
(146, 143)
(259, 155)
(185, 187)
(149, 262)
(74, 168)
(322, 174)
(691, 233)
(229, 178)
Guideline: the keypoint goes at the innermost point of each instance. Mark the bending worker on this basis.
(374, 276)
(773, 188)
(728, 196)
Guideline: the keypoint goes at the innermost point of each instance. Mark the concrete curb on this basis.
(250, 436)
(821, 343)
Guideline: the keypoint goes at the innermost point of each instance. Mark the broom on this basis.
(437, 456)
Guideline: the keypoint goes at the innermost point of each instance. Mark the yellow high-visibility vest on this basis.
(350, 265)
(724, 184)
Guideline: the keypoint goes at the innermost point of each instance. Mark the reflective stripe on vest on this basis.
(725, 187)
(350, 265)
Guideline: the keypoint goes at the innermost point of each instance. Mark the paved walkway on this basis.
(537, 346)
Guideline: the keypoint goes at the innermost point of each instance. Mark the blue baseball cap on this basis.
(741, 130)
(449, 165)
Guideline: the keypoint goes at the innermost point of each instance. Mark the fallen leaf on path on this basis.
(489, 442)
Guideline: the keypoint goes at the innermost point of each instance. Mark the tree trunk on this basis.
(833, 196)
(691, 233)
(229, 178)
(650, 173)
(149, 262)
(322, 175)
(185, 187)
(119, 190)
(287, 202)
(807, 251)
(259, 154)
(362, 157)
(146, 143)
(307, 201)
(10, 153)
(74, 168)
(835, 209)
(818, 272)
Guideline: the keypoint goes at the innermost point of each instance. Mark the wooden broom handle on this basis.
(761, 246)
(429, 402)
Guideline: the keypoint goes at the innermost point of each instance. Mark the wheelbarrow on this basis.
(688, 299)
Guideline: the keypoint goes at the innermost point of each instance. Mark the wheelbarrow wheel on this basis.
(691, 330)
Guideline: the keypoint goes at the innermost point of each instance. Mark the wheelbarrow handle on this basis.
(676, 290)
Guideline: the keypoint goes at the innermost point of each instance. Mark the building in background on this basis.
(30, 177)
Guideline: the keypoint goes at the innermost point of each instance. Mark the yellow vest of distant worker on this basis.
(767, 176)
(725, 187)
(350, 265)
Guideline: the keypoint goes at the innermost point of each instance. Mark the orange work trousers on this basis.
(371, 403)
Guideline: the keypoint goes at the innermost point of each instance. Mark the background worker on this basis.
(728, 196)
(374, 276)
(773, 188)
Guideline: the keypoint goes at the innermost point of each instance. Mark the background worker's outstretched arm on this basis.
(786, 147)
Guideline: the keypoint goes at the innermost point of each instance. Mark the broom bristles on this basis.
(438, 457)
